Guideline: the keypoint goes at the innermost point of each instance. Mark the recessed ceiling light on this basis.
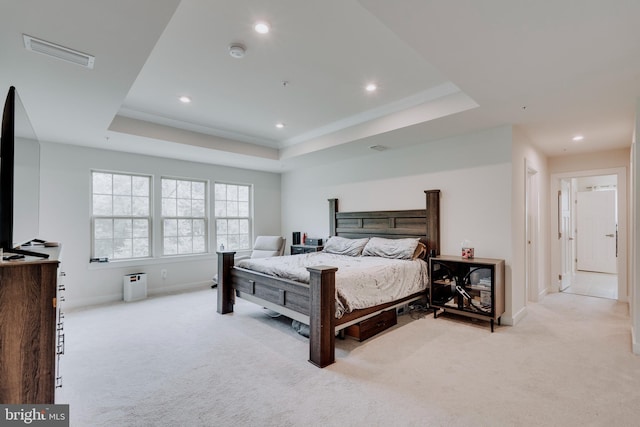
(578, 138)
(371, 87)
(185, 99)
(280, 125)
(261, 27)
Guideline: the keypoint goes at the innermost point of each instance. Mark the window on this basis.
(232, 205)
(121, 216)
(184, 217)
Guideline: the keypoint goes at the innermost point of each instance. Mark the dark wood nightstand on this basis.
(303, 249)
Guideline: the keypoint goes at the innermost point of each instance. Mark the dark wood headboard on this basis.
(422, 223)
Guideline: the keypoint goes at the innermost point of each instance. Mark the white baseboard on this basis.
(180, 287)
(80, 303)
(514, 320)
(635, 345)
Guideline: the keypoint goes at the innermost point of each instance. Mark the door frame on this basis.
(532, 233)
(622, 261)
(566, 237)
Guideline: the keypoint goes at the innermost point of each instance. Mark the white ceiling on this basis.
(443, 68)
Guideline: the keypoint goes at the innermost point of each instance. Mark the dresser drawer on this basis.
(372, 326)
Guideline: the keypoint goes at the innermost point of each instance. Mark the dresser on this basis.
(31, 338)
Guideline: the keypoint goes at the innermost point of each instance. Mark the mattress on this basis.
(361, 281)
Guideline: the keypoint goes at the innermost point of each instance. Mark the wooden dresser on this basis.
(30, 329)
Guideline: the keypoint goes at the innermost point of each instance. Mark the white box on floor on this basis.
(134, 286)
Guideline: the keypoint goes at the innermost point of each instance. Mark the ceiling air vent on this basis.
(57, 51)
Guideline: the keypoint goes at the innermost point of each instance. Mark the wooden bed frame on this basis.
(314, 303)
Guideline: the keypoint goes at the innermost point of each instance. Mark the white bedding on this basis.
(361, 282)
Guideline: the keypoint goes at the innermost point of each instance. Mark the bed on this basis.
(314, 303)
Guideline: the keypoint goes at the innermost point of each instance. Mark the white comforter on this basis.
(361, 282)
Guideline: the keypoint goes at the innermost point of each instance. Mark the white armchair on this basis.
(263, 247)
(266, 246)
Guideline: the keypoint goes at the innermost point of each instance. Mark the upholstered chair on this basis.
(263, 247)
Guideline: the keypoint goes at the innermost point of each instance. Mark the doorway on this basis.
(590, 253)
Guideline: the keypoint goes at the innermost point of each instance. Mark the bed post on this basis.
(433, 221)
(333, 209)
(225, 291)
(322, 312)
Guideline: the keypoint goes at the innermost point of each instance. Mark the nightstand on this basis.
(304, 249)
(469, 287)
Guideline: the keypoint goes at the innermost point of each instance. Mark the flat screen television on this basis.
(19, 180)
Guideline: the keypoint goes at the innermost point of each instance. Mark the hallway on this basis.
(601, 285)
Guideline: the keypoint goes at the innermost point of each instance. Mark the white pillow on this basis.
(342, 246)
(391, 248)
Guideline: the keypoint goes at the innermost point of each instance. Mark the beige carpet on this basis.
(173, 361)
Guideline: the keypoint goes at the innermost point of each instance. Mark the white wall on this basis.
(589, 161)
(65, 209)
(26, 190)
(473, 172)
(634, 294)
(526, 155)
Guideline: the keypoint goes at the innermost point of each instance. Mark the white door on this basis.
(565, 233)
(596, 224)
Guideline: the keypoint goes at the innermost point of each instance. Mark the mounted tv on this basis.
(19, 180)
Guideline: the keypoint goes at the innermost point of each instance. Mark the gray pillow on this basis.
(391, 248)
(342, 246)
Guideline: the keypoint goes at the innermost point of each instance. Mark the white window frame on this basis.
(182, 205)
(121, 217)
(222, 214)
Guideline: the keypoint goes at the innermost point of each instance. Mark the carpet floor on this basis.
(173, 361)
